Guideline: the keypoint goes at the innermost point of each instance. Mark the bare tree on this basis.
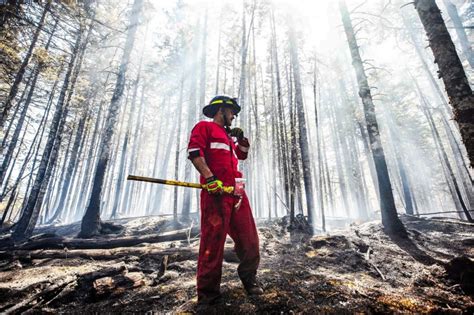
(91, 223)
(303, 135)
(390, 218)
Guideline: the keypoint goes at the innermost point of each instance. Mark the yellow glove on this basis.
(214, 186)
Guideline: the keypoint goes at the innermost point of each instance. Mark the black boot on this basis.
(252, 286)
(206, 305)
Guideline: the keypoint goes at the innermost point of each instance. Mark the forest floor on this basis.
(360, 269)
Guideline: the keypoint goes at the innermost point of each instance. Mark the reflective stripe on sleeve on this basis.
(219, 145)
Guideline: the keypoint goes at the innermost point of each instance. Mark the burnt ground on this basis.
(357, 270)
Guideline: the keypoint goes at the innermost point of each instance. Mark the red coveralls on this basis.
(218, 217)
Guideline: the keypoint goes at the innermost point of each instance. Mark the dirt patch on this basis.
(358, 270)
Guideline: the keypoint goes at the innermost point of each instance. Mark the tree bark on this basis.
(390, 219)
(303, 136)
(450, 70)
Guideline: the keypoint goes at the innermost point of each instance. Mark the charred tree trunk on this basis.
(320, 192)
(281, 131)
(450, 128)
(390, 218)
(91, 224)
(293, 150)
(450, 70)
(303, 136)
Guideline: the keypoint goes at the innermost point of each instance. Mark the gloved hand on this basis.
(214, 186)
(237, 132)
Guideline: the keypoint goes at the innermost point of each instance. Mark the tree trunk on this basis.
(317, 118)
(390, 219)
(281, 131)
(450, 70)
(136, 141)
(455, 143)
(191, 117)
(178, 144)
(91, 224)
(303, 136)
(293, 150)
(73, 160)
(75, 177)
(70, 167)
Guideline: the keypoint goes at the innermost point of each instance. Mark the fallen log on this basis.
(100, 254)
(172, 254)
(103, 243)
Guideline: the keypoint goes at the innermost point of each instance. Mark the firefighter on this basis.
(215, 155)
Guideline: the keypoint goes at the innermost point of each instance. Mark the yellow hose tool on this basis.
(227, 189)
